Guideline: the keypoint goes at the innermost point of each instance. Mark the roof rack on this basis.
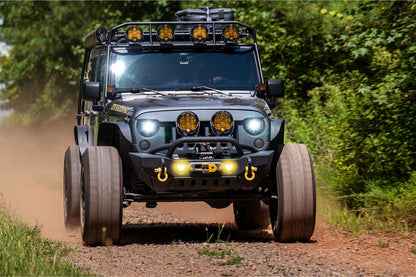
(182, 34)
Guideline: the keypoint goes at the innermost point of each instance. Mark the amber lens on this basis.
(188, 122)
(134, 34)
(165, 33)
(222, 122)
(230, 33)
(199, 33)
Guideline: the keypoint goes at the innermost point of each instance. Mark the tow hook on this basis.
(159, 173)
(253, 175)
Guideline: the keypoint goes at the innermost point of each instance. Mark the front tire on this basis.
(251, 215)
(292, 214)
(101, 196)
(72, 187)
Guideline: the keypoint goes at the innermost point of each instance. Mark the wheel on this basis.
(101, 196)
(251, 215)
(72, 187)
(292, 213)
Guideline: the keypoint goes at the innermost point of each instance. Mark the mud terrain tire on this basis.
(292, 214)
(251, 215)
(102, 198)
(72, 187)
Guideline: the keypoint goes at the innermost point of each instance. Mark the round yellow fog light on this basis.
(187, 123)
(180, 167)
(229, 167)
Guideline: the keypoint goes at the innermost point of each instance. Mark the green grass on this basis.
(23, 252)
(221, 252)
(413, 250)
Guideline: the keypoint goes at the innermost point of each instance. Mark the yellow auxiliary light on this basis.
(134, 34)
(222, 123)
(230, 33)
(199, 33)
(229, 167)
(165, 33)
(180, 167)
(187, 123)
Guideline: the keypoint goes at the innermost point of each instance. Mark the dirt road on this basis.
(171, 239)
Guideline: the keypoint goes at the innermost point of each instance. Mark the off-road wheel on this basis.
(101, 196)
(251, 215)
(72, 187)
(292, 213)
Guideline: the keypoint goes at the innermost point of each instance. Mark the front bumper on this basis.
(242, 172)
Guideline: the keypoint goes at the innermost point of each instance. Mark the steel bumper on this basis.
(162, 173)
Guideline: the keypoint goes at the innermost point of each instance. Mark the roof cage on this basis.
(176, 33)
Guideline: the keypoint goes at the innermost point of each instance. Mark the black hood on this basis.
(167, 103)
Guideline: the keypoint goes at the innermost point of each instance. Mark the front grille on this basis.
(171, 134)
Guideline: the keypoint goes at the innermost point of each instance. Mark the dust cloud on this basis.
(31, 169)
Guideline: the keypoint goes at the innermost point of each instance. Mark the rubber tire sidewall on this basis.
(72, 187)
(102, 196)
(293, 213)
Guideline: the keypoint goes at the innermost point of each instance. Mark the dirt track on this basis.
(170, 240)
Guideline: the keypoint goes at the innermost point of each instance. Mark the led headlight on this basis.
(229, 167)
(134, 34)
(148, 127)
(165, 33)
(230, 33)
(222, 123)
(187, 123)
(199, 34)
(180, 167)
(254, 126)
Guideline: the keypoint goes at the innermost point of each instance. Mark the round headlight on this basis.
(148, 127)
(254, 126)
(230, 33)
(134, 33)
(187, 123)
(222, 123)
(165, 33)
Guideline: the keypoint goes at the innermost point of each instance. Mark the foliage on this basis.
(42, 71)
(359, 124)
(24, 253)
(223, 252)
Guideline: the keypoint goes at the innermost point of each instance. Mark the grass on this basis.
(220, 252)
(413, 250)
(24, 253)
(383, 244)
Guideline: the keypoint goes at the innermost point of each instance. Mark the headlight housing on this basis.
(254, 126)
(222, 123)
(187, 123)
(148, 127)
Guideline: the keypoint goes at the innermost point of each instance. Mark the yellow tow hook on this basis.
(159, 173)
(253, 175)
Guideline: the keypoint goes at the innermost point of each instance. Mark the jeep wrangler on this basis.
(179, 111)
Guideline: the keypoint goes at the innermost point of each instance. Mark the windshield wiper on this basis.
(202, 88)
(132, 90)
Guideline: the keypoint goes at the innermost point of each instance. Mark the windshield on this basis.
(232, 70)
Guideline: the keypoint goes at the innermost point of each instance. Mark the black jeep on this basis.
(179, 111)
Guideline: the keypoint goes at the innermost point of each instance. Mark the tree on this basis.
(41, 74)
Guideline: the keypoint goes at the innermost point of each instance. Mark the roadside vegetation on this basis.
(348, 68)
(24, 253)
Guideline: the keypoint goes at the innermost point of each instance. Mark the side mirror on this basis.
(91, 91)
(275, 88)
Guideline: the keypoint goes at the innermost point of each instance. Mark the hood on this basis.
(169, 103)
